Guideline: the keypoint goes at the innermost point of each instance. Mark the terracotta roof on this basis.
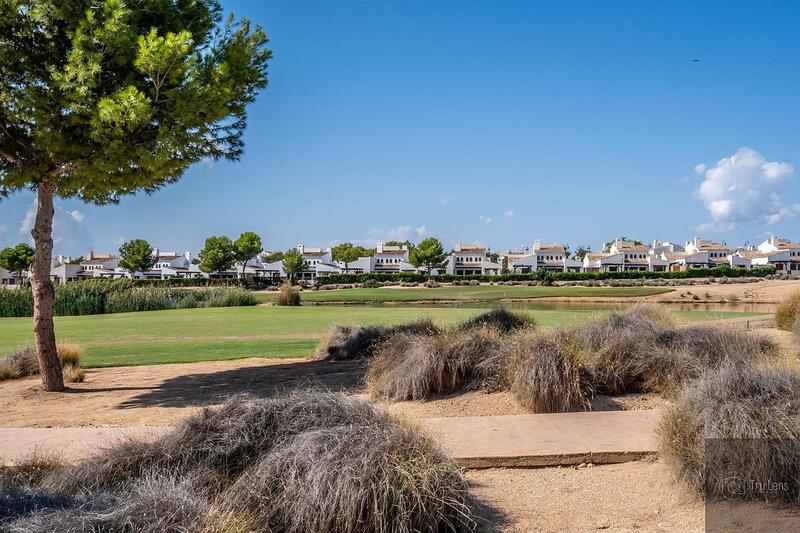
(315, 254)
(595, 257)
(554, 248)
(676, 255)
(752, 255)
(96, 261)
(633, 248)
(788, 245)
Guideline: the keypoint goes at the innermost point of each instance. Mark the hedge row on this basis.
(94, 297)
(550, 277)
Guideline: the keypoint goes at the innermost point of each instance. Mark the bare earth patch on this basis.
(767, 291)
(637, 496)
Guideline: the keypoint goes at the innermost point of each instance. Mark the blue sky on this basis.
(498, 122)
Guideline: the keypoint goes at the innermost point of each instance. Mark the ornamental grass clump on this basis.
(307, 461)
(546, 372)
(734, 433)
(501, 319)
(23, 363)
(347, 341)
(788, 312)
(410, 366)
(289, 295)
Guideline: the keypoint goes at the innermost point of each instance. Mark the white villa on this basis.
(544, 256)
(621, 255)
(387, 259)
(169, 265)
(470, 258)
(465, 259)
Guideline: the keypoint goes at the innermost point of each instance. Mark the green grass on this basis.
(209, 334)
(477, 293)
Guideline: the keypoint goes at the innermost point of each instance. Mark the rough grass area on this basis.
(410, 366)
(480, 293)
(289, 295)
(24, 363)
(309, 461)
(735, 433)
(546, 374)
(788, 312)
(640, 349)
(346, 341)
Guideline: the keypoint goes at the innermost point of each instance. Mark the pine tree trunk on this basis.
(44, 293)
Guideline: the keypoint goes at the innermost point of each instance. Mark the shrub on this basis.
(411, 366)
(289, 295)
(547, 374)
(749, 413)
(501, 319)
(69, 353)
(229, 297)
(640, 350)
(121, 296)
(371, 284)
(19, 364)
(345, 341)
(308, 461)
(23, 363)
(788, 312)
(73, 374)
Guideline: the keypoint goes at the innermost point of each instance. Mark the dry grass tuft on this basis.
(788, 312)
(502, 319)
(308, 461)
(546, 373)
(69, 353)
(73, 374)
(410, 366)
(345, 341)
(642, 350)
(738, 422)
(23, 363)
(289, 295)
(366, 476)
(19, 364)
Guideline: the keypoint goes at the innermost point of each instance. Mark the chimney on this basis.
(188, 256)
(378, 247)
(537, 244)
(90, 255)
(156, 252)
(301, 248)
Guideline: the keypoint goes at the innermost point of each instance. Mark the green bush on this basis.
(550, 277)
(95, 297)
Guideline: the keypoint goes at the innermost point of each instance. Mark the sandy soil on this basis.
(159, 395)
(767, 291)
(636, 496)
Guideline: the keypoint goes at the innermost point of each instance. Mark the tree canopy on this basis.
(348, 252)
(136, 256)
(293, 262)
(17, 258)
(428, 254)
(104, 98)
(247, 246)
(217, 254)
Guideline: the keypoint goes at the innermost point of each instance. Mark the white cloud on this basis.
(69, 233)
(509, 214)
(699, 168)
(422, 230)
(445, 201)
(487, 220)
(745, 187)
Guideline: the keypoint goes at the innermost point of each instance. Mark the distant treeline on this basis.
(550, 277)
(95, 297)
